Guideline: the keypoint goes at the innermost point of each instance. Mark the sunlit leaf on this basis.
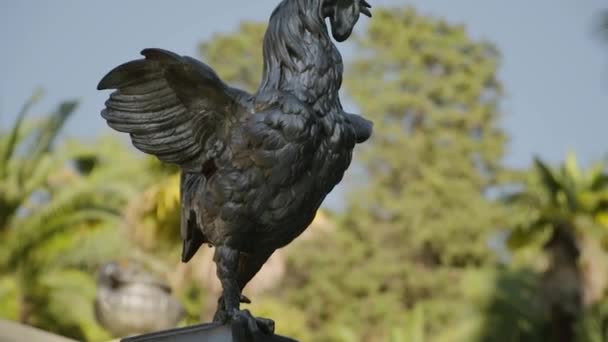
(550, 181)
(534, 233)
(572, 169)
(602, 218)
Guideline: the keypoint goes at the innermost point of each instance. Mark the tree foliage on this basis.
(420, 252)
(562, 196)
(415, 232)
(399, 262)
(565, 221)
(237, 57)
(60, 203)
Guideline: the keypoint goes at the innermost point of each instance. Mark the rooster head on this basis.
(343, 15)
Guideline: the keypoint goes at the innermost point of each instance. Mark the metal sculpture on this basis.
(255, 167)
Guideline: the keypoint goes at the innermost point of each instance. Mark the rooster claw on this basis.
(265, 324)
(246, 327)
(244, 299)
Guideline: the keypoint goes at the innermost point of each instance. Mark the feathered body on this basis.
(287, 151)
(255, 168)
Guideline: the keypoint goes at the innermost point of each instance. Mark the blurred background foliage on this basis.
(438, 241)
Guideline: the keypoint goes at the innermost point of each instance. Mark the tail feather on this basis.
(191, 228)
(363, 127)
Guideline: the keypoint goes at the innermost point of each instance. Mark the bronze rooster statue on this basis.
(255, 168)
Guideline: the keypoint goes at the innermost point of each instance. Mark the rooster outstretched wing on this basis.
(171, 105)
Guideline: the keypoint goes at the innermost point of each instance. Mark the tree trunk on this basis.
(593, 264)
(562, 284)
(25, 310)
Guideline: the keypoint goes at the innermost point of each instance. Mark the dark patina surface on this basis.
(208, 332)
(255, 167)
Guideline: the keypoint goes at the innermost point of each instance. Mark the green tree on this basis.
(414, 236)
(237, 57)
(60, 205)
(412, 247)
(567, 217)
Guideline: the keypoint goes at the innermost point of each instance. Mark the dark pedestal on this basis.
(207, 332)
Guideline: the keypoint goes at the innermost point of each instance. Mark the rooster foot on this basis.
(249, 328)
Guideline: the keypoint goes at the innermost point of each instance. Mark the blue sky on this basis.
(554, 69)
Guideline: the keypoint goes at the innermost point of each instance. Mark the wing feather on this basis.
(170, 105)
(281, 140)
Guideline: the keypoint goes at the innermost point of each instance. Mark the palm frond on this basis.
(597, 177)
(45, 137)
(572, 169)
(93, 247)
(536, 231)
(549, 179)
(9, 148)
(20, 245)
(71, 294)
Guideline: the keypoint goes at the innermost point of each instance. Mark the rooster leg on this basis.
(227, 263)
(249, 266)
(234, 271)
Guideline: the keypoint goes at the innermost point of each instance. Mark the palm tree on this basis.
(568, 217)
(60, 204)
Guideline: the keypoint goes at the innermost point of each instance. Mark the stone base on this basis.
(208, 332)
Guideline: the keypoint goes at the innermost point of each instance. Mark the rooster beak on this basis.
(365, 6)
